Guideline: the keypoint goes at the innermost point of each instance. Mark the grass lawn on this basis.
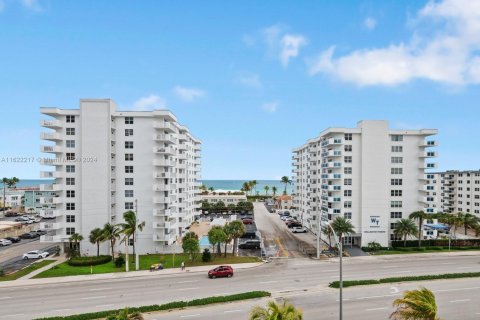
(25, 271)
(390, 252)
(146, 261)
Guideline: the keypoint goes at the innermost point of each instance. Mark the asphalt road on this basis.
(282, 276)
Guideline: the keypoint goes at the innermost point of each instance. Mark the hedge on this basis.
(167, 306)
(351, 283)
(439, 243)
(89, 261)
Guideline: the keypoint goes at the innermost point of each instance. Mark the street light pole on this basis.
(137, 258)
(340, 247)
(319, 230)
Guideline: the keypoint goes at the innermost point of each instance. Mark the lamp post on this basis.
(137, 257)
(340, 248)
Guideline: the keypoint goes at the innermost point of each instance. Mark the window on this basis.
(70, 193)
(128, 156)
(128, 205)
(396, 170)
(396, 182)
(347, 159)
(70, 181)
(128, 120)
(70, 218)
(395, 204)
(70, 206)
(348, 147)
(396, 193)
(397, 137)
(128, 193)
(129, 181)
(348, 136)
(347, 215)
(128, 144)
(347, 193)
(70, 119)
(347, 170)
(397, 159)
(128, 132)
(393, 226)
(70, 131)
(397, 149)
(128, 169)
(70, 168)
(70, 231)
(70, 143)
(70, 156)
(395, 215)
(347, 182)
(347, 204)
(395, 237)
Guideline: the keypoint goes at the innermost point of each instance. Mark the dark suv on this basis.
(250, 244)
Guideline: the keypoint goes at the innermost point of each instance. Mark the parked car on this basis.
(39, 232)
(29, 235)
(299, 229)
(10, 214)
(5, 242)
(35, 254)
(22, 219)
(219, 272)
(247, 221)
(14, 239)
(250, 244)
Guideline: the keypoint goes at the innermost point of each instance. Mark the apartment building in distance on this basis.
(107, 162)
(455, 191)
(371, 175)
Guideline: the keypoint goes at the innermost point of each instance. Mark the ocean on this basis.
(216, 184)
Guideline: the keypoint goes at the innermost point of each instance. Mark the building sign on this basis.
(374, 221)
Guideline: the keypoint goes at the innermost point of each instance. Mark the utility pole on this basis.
(137, 258)
(319, 232)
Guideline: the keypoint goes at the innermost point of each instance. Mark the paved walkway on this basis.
(49, 266)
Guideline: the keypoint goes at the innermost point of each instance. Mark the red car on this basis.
(247, 221)
(222, 271)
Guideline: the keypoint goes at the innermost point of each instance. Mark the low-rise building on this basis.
(226, 198)
(284, 202)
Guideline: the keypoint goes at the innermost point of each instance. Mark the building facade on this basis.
(226, 198)
(371, 175)
(108, 162)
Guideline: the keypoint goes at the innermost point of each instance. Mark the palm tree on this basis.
(253, 184)
(420, 216)
(405, 228)
(229, 233)
(111, 232)
(286, 181)
(5, 183)
(96, 237)
(342, 227)
(75, 238)
(246, 187)
(274, 311)
(238, 229)
(328, 232)
(211, 189)
(274, 191)
(415, 305)
(266, 188)
(469, 221)
(130, 227)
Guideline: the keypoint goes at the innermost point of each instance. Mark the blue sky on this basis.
(251, 79)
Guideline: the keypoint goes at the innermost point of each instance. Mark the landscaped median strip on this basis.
(352, 283)
(168, 306)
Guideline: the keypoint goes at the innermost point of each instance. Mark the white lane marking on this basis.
(188, 281)
(190, 315)
(374, 297)
(104, 305)
(459, 289)
(232, 311)
(394, 290)
(8, 316)
(100, 289)
(265, 282)
(185, 289)
(375, 309)
(460, 300)
(92, 298)
(3, 298)
(61, 310)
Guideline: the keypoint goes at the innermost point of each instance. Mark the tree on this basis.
(206, 206)
(130, 227)
(238, 229)
(216, 236)
(342, 227)
(285, 181)
(97, 236)
(8, 183)
(405, 228)
(75, 239)
(219, 206)
(420, 216)
(231, 207)
(111, 233)
(329, 233)
(124, 315)
(469, 221)
(417, 304)
(274, 191)
(274, 311)
(266, 188)
(253, 184)
(229, 234)
(246, 187)
(191, 245)
(211, 189)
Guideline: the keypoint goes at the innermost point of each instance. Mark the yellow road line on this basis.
(282, 248)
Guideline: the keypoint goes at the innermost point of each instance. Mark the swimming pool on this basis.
(204, 241)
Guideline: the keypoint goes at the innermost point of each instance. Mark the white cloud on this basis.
(270, 106)
(252, 81)
(149, 103)
(445, 50)
(248, 40)
(32, 5)
(290, 47)
(370, 23)
(188, 94)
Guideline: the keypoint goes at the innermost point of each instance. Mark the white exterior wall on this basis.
(320, 178)
(227, 199)
(166, 171)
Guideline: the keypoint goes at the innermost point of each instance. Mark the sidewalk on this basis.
(38, 271)
(120, 275)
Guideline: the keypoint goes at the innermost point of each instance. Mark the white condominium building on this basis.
(108, 162)
(456, 191)
(371, 175)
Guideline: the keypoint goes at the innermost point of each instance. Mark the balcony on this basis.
(161, 187)
(163, 212)
(428, 166)
(48, 238)
(428, 154)
(197, 147)
(51, 200)
(162, 200)
(51, 149)
(332, 153)
(158, 225)
(51, 123)
(164, 175)
(182, 156)
(428, 143)
(334, 187)
(163, 163)
(167, 126)
(50, 226)
(51, 187)
(332, 141)
(165, 138)
(333, 176)
(334, 164)
(164, 150)
(182, 146)
(50, 136)
(50, 213)
(182, 137)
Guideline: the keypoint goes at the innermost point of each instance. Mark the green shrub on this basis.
(206, 256)
(119, 261)
(88, 261)
(351, 283)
